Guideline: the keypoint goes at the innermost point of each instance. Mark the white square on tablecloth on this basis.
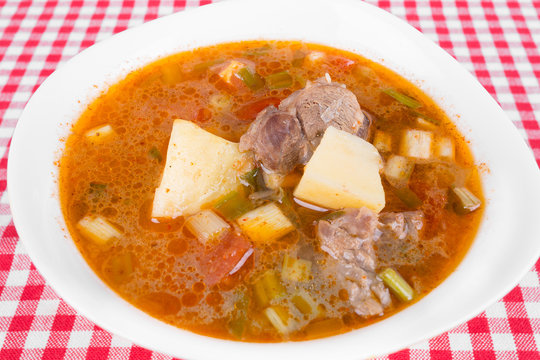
(8, 308)
(460, 342)
(503, 342)
(80, 339)
(529, 280)
(533, 309)
(496, 310)
(47, 307)
(17, 277)
(36, 339)
(118, 341)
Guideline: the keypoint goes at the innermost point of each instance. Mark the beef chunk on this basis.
(349, 240)
(399, 242)
(324, 103)
(277, 140)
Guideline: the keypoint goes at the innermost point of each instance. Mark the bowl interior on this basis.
(506, 245)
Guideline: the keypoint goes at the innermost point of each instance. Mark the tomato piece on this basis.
(221, 260)
(249, 111)
(341, 62)
(203, 115)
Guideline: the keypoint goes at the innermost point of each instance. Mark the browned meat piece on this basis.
(349, 240)
(277, 141)
(324, 103)
(350, 236)
(401, 225)
(400, 235)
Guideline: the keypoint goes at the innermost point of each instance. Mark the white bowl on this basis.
(507, 244)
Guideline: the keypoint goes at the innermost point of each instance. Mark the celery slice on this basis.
(280, 319)
(202, 67)
(233, 205)
(258, 51)
(265, 223)
(323, 328)
(402, 98)
(295, 269)
(298, 58)
(155, 154)
(465, 201)
(305, 303)
(427, 118)
(408, 197)
(239, 321)
(398, 170)
(267, 288)
(252, 80)
(98, 229)
(255, 179)
(279, 80)
(397, 284)
(119, 267)
(207, 226)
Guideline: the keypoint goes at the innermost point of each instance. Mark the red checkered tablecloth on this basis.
(498, 41)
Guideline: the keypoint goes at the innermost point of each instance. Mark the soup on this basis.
(269, 191)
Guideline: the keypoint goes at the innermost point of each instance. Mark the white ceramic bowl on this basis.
(507, 244)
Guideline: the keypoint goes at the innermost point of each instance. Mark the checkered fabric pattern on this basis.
(496, 41)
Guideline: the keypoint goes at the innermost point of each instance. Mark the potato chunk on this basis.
(200, 168)
(343, 172)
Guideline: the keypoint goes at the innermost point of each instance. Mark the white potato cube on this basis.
(200, 168)
(416, 144)
(445, 148)
(343, 172)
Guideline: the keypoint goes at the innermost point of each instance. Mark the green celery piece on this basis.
(252, 80)
(464, 200)
(302, 305)
(402, 98)
(233, 205)
(408, 197)
(298, 58)
(287, 206)
(397, 284)
(237, 325)
(427, 118)
(255, 179)
(279, 80)
(322, 328)
(260, 295)
(202, 67)
(119, 268)
(155, 154)
(261, 50)
(332, 215)
(267, 288)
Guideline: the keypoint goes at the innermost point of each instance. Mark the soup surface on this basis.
(321, 231)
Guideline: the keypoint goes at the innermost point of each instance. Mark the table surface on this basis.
(496, 41)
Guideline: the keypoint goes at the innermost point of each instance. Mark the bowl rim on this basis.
(191, 345)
